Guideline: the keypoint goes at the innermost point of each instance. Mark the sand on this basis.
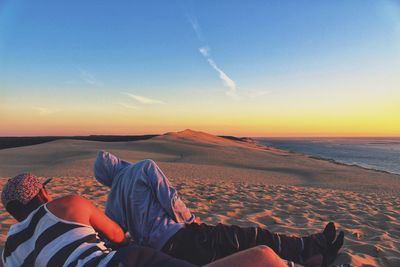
(239, 183)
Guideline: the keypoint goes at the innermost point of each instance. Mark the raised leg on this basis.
(259, 256)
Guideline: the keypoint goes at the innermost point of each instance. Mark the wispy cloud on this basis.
(88, 77)
(391, 10)
(128, 106)
(205, 52)
(44, 111)
(228, 82)
(143, 99)
(196, 27)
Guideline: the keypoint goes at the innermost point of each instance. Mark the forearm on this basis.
(105, 226)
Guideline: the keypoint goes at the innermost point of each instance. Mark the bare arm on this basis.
(100, 222)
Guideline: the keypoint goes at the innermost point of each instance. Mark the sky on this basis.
(245, 68)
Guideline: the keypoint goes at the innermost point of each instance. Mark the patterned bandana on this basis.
(23, 187)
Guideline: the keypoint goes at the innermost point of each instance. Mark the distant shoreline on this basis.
(327, 158)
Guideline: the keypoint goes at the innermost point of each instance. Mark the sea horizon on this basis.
(375, 153)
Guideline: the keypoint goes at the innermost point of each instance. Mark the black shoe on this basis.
(330, 255)
(329, 232)
(322, 244)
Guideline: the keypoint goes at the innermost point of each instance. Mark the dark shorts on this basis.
(201, 243)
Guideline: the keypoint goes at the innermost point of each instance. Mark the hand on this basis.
(197, 220)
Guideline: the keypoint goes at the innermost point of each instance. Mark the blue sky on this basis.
(196, 54)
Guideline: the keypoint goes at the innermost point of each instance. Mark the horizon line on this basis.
(251, 136)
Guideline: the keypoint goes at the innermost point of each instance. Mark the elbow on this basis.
(118, 236)
(149, 165)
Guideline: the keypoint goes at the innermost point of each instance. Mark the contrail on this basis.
(205, 51)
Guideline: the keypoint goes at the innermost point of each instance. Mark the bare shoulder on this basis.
(72, 207)
(69, 200)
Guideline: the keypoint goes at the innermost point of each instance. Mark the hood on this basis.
(106, 167)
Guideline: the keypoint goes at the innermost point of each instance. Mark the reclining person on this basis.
(64, 232)
(143, 202)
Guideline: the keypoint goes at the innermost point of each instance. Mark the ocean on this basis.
(373, 153)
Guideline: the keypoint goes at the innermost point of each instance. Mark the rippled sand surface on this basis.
(238, 183)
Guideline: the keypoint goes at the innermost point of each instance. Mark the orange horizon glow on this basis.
(247, 118)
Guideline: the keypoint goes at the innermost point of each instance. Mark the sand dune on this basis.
(239, 183)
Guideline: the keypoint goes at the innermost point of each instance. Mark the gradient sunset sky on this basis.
(246, 68)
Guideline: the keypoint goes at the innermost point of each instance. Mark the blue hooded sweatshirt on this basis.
(141, 199)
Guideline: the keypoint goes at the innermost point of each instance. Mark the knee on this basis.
(264, 250)
(148, 163)
(265, 253)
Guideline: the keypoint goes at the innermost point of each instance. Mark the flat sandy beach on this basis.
(240, 183)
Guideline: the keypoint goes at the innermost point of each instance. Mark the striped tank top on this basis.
(43, 239)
